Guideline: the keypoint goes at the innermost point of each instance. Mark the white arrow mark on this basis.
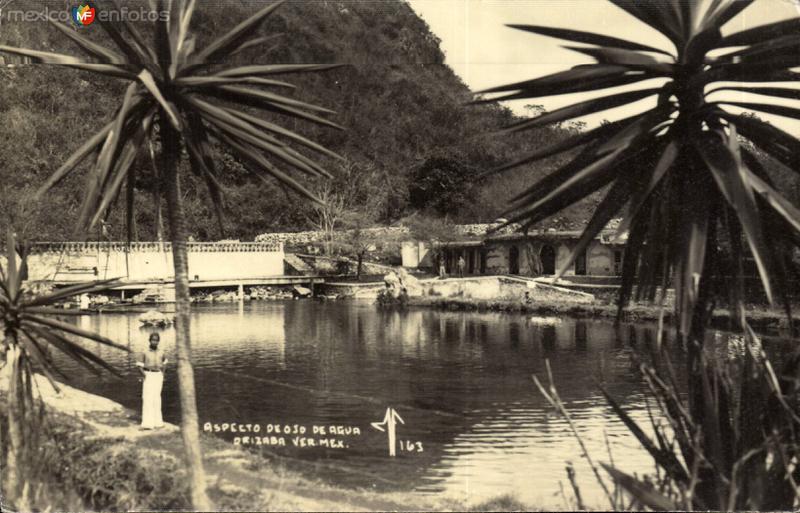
(389, 420)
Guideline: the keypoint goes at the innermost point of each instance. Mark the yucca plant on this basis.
(193, 99)
(698, 207)
(31, 331)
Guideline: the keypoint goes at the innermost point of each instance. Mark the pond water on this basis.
(473, 424)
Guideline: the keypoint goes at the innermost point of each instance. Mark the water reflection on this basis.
(461, 382)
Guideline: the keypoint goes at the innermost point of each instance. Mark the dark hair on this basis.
(154, 336)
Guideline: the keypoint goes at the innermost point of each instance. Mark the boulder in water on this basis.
(393, 285)
(400, 285)
(409, 283)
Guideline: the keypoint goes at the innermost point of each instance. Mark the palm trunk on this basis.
(157, 199)
(177, 225)
(13, 457)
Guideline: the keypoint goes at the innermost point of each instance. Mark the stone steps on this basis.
(297, 264)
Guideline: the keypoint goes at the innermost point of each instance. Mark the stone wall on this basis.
(476, 287)
(380, 233)
(148, 261)
(318, 237)
(324, 265)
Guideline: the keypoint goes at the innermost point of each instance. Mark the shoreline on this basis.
(107, 454)
(760, 318)
(99, 459)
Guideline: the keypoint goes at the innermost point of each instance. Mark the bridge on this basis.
(144, 264)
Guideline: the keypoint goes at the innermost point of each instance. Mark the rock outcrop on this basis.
(399, 286)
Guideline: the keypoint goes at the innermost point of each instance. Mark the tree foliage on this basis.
(443, 185)
(399, 77)
(698, 206)
(183, 94)
(32, 332)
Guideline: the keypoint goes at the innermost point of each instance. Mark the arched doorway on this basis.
(513, 260)
(580, 264)
(470, 261)
(548, 257)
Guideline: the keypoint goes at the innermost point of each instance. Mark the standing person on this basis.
(461, 264)
(152, 366)
(442, 271)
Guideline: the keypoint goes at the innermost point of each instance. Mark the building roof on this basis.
(463, 243)
(605, 237)
(478, 234)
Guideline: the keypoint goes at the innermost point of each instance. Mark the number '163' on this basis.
(409, 446)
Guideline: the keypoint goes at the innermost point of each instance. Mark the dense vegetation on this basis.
(409, 134)
(402, 107)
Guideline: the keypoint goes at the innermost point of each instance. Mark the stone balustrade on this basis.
(142, 247)
(152, 261)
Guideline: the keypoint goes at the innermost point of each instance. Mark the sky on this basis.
(485, 53)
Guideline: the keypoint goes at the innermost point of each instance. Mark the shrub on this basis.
(110, 474)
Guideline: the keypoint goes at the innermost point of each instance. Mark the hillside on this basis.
(403, 109)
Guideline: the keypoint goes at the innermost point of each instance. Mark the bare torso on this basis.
(154, 360)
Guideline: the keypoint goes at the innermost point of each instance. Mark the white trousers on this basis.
(151, 400)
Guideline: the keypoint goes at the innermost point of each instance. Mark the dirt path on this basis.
(238, 478)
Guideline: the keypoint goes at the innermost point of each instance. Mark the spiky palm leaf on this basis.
(193, 99)
(697, 206)
(31, 332)
(203, 100)
(29, 321)
(676, 169)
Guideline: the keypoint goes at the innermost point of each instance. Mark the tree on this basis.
(352, 200)
(692, 196)
(443, 185)
(325, 216)
(186, 97)
(354, 239)
(30, 333)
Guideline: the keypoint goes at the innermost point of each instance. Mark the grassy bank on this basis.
(760, 317)
(92, 456)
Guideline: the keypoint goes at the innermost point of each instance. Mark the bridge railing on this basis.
(141, 247)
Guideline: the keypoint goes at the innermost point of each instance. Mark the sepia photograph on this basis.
(399, 255)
